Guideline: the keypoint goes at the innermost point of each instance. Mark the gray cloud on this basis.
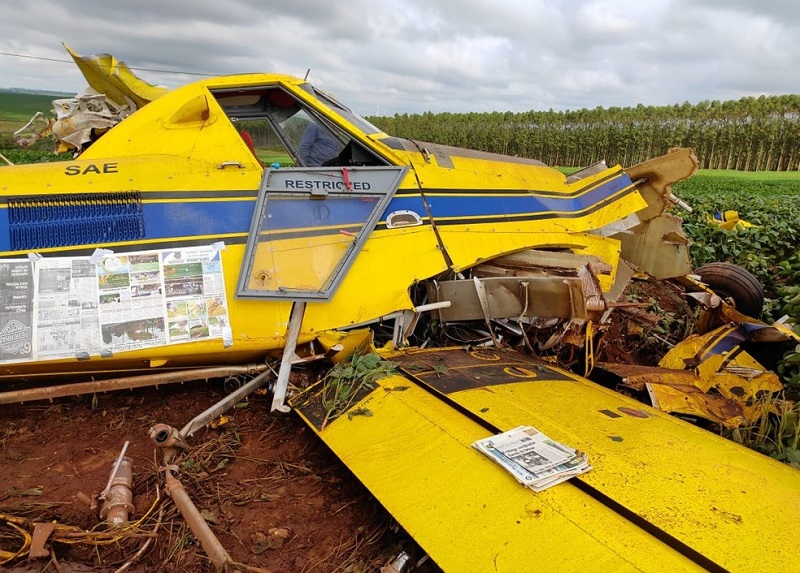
(400, 56)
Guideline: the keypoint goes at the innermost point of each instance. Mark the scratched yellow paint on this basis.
(733, 505)
(414, 454)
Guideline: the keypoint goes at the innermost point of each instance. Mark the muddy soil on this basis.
(274, 495)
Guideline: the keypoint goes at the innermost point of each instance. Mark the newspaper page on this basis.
(130, 301)
(534, 460)
(59, 307)
(16, 310)
(196, 306)
(531, 449)
(66, 307)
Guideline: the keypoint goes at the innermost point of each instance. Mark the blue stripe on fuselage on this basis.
(203, 218)
(188, 218)
(470, 207)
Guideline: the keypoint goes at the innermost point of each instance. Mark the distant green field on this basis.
(774, 181)
(16, 109)
(751, 175)
(745, 191)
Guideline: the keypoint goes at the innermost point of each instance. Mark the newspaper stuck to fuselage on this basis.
(535, 460)
(77, 307)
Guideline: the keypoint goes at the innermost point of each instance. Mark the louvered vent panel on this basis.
(80, 219)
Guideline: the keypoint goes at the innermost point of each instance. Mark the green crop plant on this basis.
(349, 380)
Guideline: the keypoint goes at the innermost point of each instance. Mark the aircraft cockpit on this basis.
(279, 124)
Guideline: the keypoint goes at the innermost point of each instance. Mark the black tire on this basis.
(735, 285)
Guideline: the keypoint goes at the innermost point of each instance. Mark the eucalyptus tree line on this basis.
(749, 134)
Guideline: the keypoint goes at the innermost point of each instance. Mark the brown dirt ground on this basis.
(275, 496)
(642, 334)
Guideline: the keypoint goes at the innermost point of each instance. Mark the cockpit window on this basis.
(344, 111)
(281, 130)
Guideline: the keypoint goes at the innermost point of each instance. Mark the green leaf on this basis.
(793, 456)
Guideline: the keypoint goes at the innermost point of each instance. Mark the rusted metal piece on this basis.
(171, 442)
(118, 501)
(126, 383)
(211, 545)
(41, 533)
(165, 436)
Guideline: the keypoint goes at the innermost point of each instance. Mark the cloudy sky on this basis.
(383, 57)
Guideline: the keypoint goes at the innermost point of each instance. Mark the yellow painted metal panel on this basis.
(731, 504)
(414, 453)
(108, 76)
(305, 264)
(469, 244)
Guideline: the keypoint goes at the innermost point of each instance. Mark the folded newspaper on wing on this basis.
(535, 460)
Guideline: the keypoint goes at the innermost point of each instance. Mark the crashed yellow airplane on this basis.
(167, 251)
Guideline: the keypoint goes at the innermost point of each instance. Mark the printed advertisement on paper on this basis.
(81, 306)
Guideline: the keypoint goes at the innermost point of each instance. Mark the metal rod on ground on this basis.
(171, 442)
(292, 333)
(211, 545)
(126, 383)
(115, 468)
(224, 405)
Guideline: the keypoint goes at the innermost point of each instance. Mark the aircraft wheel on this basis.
(735, 285)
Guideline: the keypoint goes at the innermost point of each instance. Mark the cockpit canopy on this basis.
(273, 119)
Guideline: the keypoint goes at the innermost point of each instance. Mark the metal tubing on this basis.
(165, 436)
(118, 502)
(113, 474)
(292, 333)
(211, 545)
(224, 405)
(126, 383)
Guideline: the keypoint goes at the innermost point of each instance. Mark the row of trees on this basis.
(751, 134)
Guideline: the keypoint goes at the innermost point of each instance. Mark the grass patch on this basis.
(749, 175)
(270, 157)
(20, 107)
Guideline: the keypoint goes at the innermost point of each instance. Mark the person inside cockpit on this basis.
(317, 145)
